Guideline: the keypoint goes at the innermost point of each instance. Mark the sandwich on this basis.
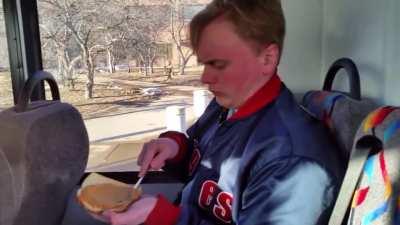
(99, 193)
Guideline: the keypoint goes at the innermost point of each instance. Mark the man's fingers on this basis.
(102, 217)
(159, 160)
(123, 219)
(148, 156)
(136, 214)
(155, 153)
(142, 153)
(107, 214)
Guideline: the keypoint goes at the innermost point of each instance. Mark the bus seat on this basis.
(43, 154)
(341, 112)
(370, 191)
(376, 196)
(7, 193)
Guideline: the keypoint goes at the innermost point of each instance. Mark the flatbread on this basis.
(99, 193)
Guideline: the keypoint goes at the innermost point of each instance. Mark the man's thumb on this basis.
(122, 218)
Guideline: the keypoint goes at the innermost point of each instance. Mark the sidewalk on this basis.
(117, 140)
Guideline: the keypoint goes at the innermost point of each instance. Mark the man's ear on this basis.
(269, 56)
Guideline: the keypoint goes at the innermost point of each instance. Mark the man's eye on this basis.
(219, 65)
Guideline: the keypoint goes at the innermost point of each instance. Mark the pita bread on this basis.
(99, 193)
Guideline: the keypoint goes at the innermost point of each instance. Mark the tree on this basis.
(87, 21)
(179, 31)
(81, 30)
(57, 36)
(146, 24)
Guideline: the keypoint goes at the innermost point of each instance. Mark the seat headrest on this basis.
(340, 113)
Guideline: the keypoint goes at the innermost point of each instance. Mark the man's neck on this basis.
(264, 96)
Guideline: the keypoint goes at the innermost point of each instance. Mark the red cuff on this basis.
(182, 142)
(164, 213)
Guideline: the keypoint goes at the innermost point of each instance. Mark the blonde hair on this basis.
(259, 21)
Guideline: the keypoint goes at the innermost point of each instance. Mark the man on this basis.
(254, 157)
(168, 70)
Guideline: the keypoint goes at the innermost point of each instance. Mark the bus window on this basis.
(6, 93)
(122, 64)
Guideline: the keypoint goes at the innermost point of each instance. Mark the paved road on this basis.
(137, 122)
(116, 140)
(141, 122)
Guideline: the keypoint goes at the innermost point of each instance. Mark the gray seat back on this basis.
(43, 154)
(340, 113)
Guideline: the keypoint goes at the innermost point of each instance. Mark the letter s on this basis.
(223, 210)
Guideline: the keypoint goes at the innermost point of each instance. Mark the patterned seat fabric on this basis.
(320, 104)
(376, 199)
(340, 113)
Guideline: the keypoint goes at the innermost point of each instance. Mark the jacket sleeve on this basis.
(164, 213)
(289, 191)
(178, 165)
(182, 141)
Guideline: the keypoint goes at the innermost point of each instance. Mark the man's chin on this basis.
(223, 102)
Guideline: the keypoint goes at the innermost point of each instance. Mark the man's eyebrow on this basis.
(209, 61)
(205, 61)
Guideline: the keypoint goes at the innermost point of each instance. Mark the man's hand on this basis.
(155, 153)
(136, 214)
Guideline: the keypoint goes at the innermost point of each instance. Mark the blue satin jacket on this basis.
(276, 166)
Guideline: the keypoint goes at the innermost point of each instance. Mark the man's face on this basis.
(233, 70)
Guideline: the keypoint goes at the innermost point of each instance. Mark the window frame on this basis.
(24, 48)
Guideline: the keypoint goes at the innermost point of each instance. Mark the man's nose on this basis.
(208, 77)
